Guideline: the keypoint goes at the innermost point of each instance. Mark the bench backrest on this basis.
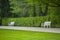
(11, 23)
(47, 23)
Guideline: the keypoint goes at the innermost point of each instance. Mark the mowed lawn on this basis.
(7, 34)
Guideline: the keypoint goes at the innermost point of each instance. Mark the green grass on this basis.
(6, 34)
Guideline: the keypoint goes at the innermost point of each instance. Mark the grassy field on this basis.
(6, 34)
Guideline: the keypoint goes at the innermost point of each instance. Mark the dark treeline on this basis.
(26, 8)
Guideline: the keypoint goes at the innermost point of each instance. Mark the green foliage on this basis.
(28, 21)
(29, 9)
(33, 21)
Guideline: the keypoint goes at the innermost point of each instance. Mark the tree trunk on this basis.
(46, 10)
(40, 10)
(34, 9)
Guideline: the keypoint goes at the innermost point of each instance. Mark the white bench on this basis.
(46, 24)
(11, 23)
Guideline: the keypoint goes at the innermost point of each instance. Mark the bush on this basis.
(32, 21)
(28, 21)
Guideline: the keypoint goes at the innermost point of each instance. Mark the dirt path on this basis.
(53, 30)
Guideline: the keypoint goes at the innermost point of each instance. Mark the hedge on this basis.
(31, 21)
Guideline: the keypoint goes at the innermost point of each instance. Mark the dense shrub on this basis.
(28, 21)
(32, 21)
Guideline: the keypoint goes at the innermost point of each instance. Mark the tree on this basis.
(41, 13)
(46, 10)
(52, 3)
(34, 9)
(5, 9)
(40, 10)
